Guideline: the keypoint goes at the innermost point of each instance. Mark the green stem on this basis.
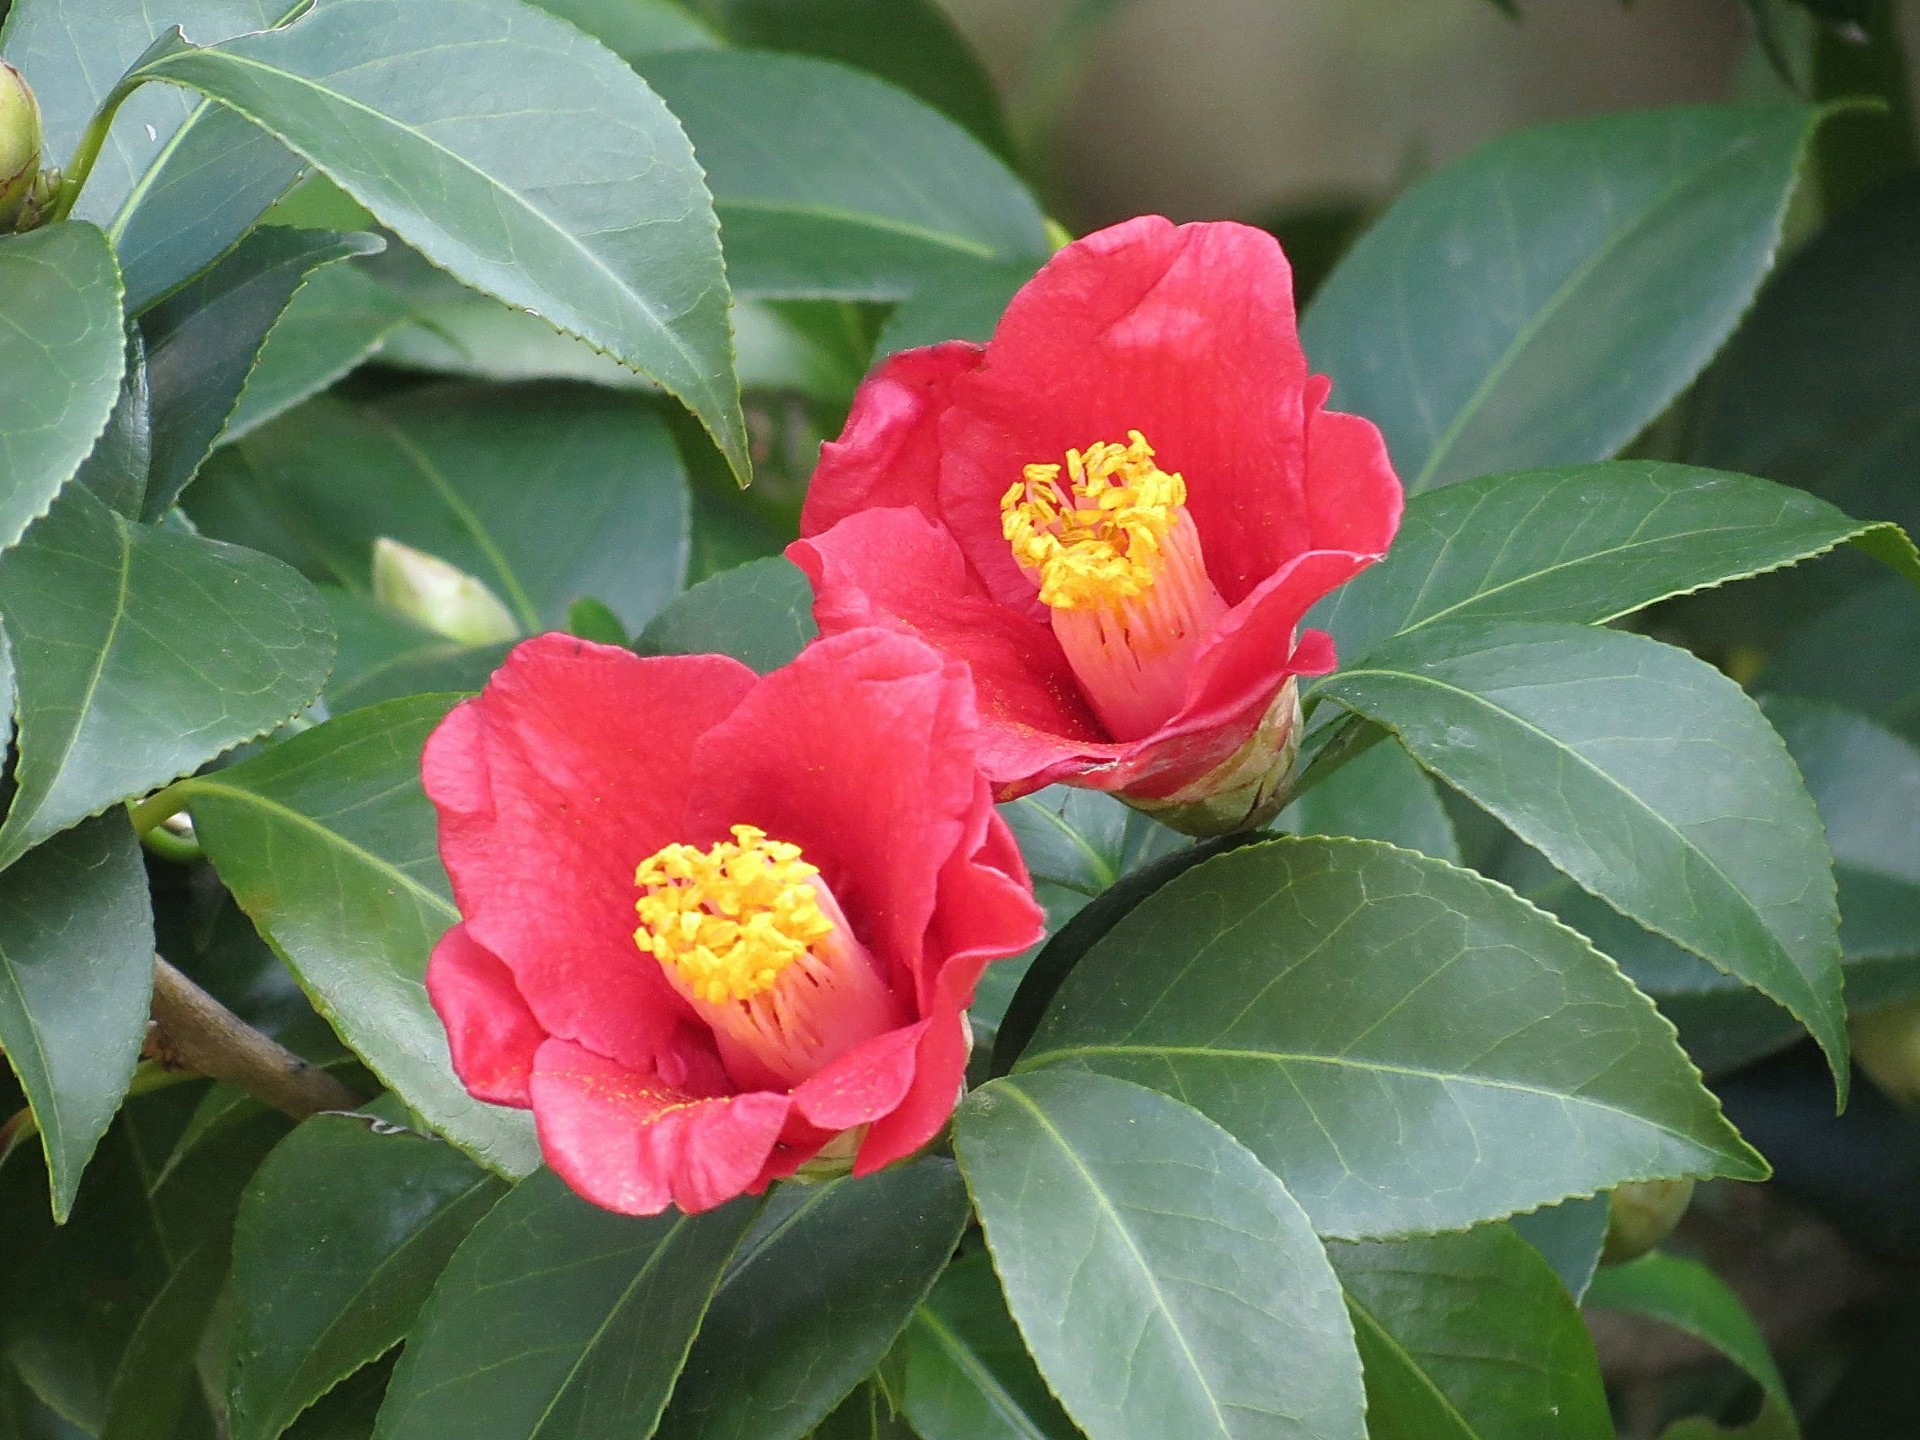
(158, 807)
(93, 139)
(180, 849)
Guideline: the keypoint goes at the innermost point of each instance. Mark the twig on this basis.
(194, 1031)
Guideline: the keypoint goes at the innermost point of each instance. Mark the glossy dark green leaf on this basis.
(349, 1411)
(1470, 1337)
(156, 1381)
(1164, 1279)
(589, 209)
(819, 1290)
(63, 353)
(911, 43)
(116, 468)
(139, 654)
(863, 1415)
(1409, 1046)
(1644, 774)
(1816, 387)
(76, 971)
(1586, 543)
(1686, 1294)
(760, 613)
(1380, 794)
(968, 1374)
(965, 303)
(1858, 654)
(180, 179)
(329, 1275)
(634, 28)
(545, 495)
(556, 1319)
(384, 657)
(328, 844)
(1085, 840)
(203, 339)
(832, 184)
(335, 321)
(1542, 300)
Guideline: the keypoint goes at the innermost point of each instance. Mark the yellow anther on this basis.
(730, 918)
(1095, 540)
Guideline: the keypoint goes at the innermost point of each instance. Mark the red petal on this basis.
(490, 1030)
(895, 569)
(867, 1082)
(1186, 334)
(939, 1067)
(551, 786)
(889, 451)
(861, 752)
(629, 1143)
(1353, 496)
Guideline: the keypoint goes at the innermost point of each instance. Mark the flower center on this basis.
(750, 936)
(1098, 538)
(1117, 559)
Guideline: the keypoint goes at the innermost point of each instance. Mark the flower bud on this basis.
(438, 596)
(19, 144)
(1640, 1214)
(1886, 1044)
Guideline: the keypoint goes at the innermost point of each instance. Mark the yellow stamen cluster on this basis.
(729, 919)
(1096, 540)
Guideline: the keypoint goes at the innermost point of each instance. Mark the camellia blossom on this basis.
(716, 926)
(1117, 513)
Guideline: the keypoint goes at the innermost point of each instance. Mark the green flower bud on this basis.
(1640, 1215)
(438, 596)
(19, 144)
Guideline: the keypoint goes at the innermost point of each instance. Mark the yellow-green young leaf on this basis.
(1164, 1279)
(1540, 301)
(369, 1251)
(820, 1288)
(62, 352)
(514, 151)
(140, 653)
(1409, 1046)
(557, 1319)
(1645, 774)
(76, 972)
(1470, 1337)
(328, 844)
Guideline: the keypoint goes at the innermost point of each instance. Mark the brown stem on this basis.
(194, 1031)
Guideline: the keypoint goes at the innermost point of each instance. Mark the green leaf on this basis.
(1586, 543)
(965, 303)
(1542, 300)
(1568, 1236)
(1858, 654)
(910, 43)
(1686, 1294)
(545, 495)
(1646, 775)
(863, 1415)
(968, 1374)
(63, 353)
(335, 321)
(635, 28)
(1470, 1337)
(139, 654)
(1164, 1279)
(832, 184)
(822, 1286)
(328, 844)
(1380, 794)
(587, 208)
(116, 468)
(203, 339)
(384, 657)
(76, 973)
(368, 1253)
(179, 179)
(760, 613)
(1815, 387)
(1409, 1046)
(556, 1319)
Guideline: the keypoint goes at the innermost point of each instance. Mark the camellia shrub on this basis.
(1180, 866)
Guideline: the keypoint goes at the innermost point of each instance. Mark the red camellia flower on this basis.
(715, 926)
(1116, 513)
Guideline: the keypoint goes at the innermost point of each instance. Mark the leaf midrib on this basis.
(1406, 1358)
(975, 1369)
